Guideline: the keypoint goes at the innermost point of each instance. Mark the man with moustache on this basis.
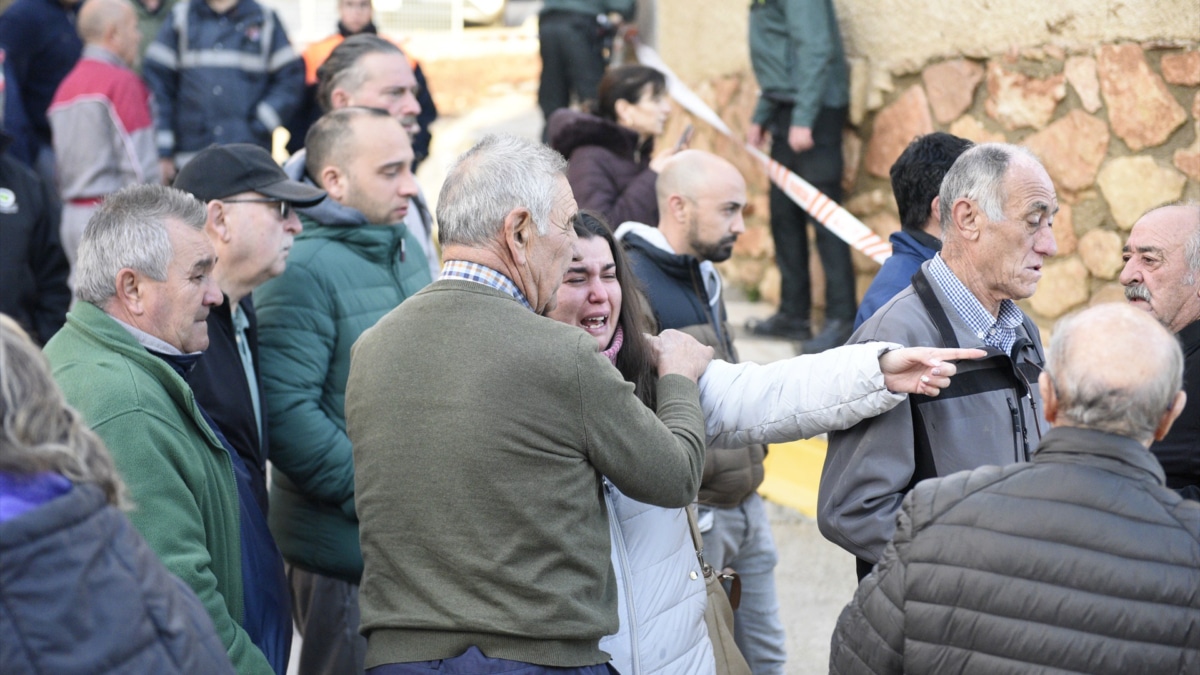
(250, 204)
(1162, 277)
(700, 202)
(145, 289)
(371, 72)
(354, 262)
(996, 207)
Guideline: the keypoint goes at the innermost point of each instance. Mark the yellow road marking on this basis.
(793, 471)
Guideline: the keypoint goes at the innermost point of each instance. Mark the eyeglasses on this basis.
(285, 208)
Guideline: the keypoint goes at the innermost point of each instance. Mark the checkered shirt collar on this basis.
(480, 274)
(1000, 332)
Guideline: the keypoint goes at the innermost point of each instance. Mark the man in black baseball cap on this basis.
(252, 224)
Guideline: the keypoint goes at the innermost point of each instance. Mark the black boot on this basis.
(781, 325)
(834, 334)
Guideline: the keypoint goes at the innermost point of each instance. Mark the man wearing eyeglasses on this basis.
(251, 224)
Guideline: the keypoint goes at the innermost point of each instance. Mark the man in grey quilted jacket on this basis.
(1079, 561)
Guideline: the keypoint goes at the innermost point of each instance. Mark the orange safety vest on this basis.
(316, 54)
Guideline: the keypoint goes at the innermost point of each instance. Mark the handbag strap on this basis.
(735, 582)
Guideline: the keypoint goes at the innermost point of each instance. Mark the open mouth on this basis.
(595, 324)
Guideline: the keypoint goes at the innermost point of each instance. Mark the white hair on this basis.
(130, 230)
(499, 174)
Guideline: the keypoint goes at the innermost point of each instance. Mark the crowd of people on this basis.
(243, 400)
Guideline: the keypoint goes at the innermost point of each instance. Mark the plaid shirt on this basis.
(461, 269)
(999, 332)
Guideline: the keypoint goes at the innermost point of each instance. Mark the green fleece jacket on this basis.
(481, 431)
(797, 56)
(342, 276)
(179, 475)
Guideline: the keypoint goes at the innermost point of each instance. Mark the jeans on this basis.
(473, 662)
(326, 613)
(822, 167)
(741, 538)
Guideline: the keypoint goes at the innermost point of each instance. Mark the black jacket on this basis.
(81, 592)
(677, 295)
(222, 391)
(1179, 452)
(33, 267)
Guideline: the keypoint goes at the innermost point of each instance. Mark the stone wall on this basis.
(1116, 121)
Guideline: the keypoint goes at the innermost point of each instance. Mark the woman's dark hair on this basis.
(636, 359)
(626, 83)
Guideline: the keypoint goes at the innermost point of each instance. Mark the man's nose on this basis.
(1129, 273)
(739, 225)
(409, 105)
(293, 225)
(1045, 243)
(408, 185)
(212, 292)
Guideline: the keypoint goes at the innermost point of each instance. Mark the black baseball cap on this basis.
(222, 171)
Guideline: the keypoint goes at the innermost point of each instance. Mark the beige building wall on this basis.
(1105, 92)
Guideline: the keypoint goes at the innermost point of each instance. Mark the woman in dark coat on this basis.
(80, 590)
(609, 153)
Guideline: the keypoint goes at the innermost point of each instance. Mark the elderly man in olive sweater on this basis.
(481, 430)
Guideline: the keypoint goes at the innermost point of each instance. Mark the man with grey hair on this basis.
(1080, 561)
(1162, 277)
(996, 207)
(145, 288)
(353, 263)
(481, 431)
(369, 71)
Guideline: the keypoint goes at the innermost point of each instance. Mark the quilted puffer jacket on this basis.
(1081, 561)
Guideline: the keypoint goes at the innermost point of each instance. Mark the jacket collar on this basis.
(1120, 454)
(652, 241)
(1189, 337)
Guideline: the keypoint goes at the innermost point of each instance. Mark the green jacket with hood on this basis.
(342, 276)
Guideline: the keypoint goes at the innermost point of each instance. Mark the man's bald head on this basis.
(111, 24)
(689, 173)
(700, 202)
(1113, 369)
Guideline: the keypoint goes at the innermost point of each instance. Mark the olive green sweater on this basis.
(480, 433)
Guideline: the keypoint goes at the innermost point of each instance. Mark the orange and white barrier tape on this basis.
(824, 210)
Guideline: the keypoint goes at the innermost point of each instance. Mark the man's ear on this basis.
(967, 219)
(1049, 397)
(1169, 417)
(333, 182)
(339, 98)
(215, 224)
(518, 231)
(677, 208)
(129, 292)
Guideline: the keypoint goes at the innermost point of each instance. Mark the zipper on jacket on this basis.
(618, 538)
(1018, 430)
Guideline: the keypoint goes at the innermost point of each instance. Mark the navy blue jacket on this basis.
(81, 592)
(908, 252)
(221, 78)
(268, 605)
(219, 381)
(39, 39)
